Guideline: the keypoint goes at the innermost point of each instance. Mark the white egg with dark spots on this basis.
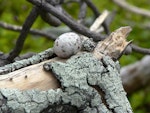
(67, 45)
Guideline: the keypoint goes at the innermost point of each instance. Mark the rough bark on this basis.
(89, 82)
(77, 76)
(45, 55)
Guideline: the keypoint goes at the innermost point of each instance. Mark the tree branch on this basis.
(82, 12)
(140, 49)
(125, 5)
(71, 23)
(99, 20)
(25, 29)
(97, 13)
(136, 76)
(32, 31)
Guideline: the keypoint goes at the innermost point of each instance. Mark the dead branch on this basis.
(136, 76)
(97, 13)
(84, 80)
(134, 9)
(99, 20)
(25, 29)
(110, 47)
(31, 77)
(140, 49)
(70, 23)
(82, 12)
(37, 58)
(32, 31)
(78, 76)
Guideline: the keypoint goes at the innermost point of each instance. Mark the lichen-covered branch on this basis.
(89, 81)
(84, 70)
(34, 101)
(77, 77)
(45, 55)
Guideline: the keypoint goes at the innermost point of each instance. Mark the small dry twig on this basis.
(134, 9)
(99, 21)
(32, 31)
(97, 13)
(140, 49)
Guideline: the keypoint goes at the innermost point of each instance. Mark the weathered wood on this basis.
(35, 59)
(114, 45)
(78, 77)
(31, 77)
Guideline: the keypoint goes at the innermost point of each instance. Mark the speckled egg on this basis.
(67, 45)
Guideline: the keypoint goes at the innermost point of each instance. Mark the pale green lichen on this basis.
(45, 55)
(84, 70)
(76, 75)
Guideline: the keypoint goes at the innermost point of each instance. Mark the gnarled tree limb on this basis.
(80, 77)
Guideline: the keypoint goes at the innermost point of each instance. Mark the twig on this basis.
(70, 1)
(44, 55)
(82, 12)
(96, 12)
(66, 14)
(71, 23)
(32, 31)
(50, 19)
(99, 21)
(134, 9)
(140, 49)
(25, 29)
(143, 25)
(93, 8)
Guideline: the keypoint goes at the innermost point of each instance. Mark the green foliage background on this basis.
(16, 11)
